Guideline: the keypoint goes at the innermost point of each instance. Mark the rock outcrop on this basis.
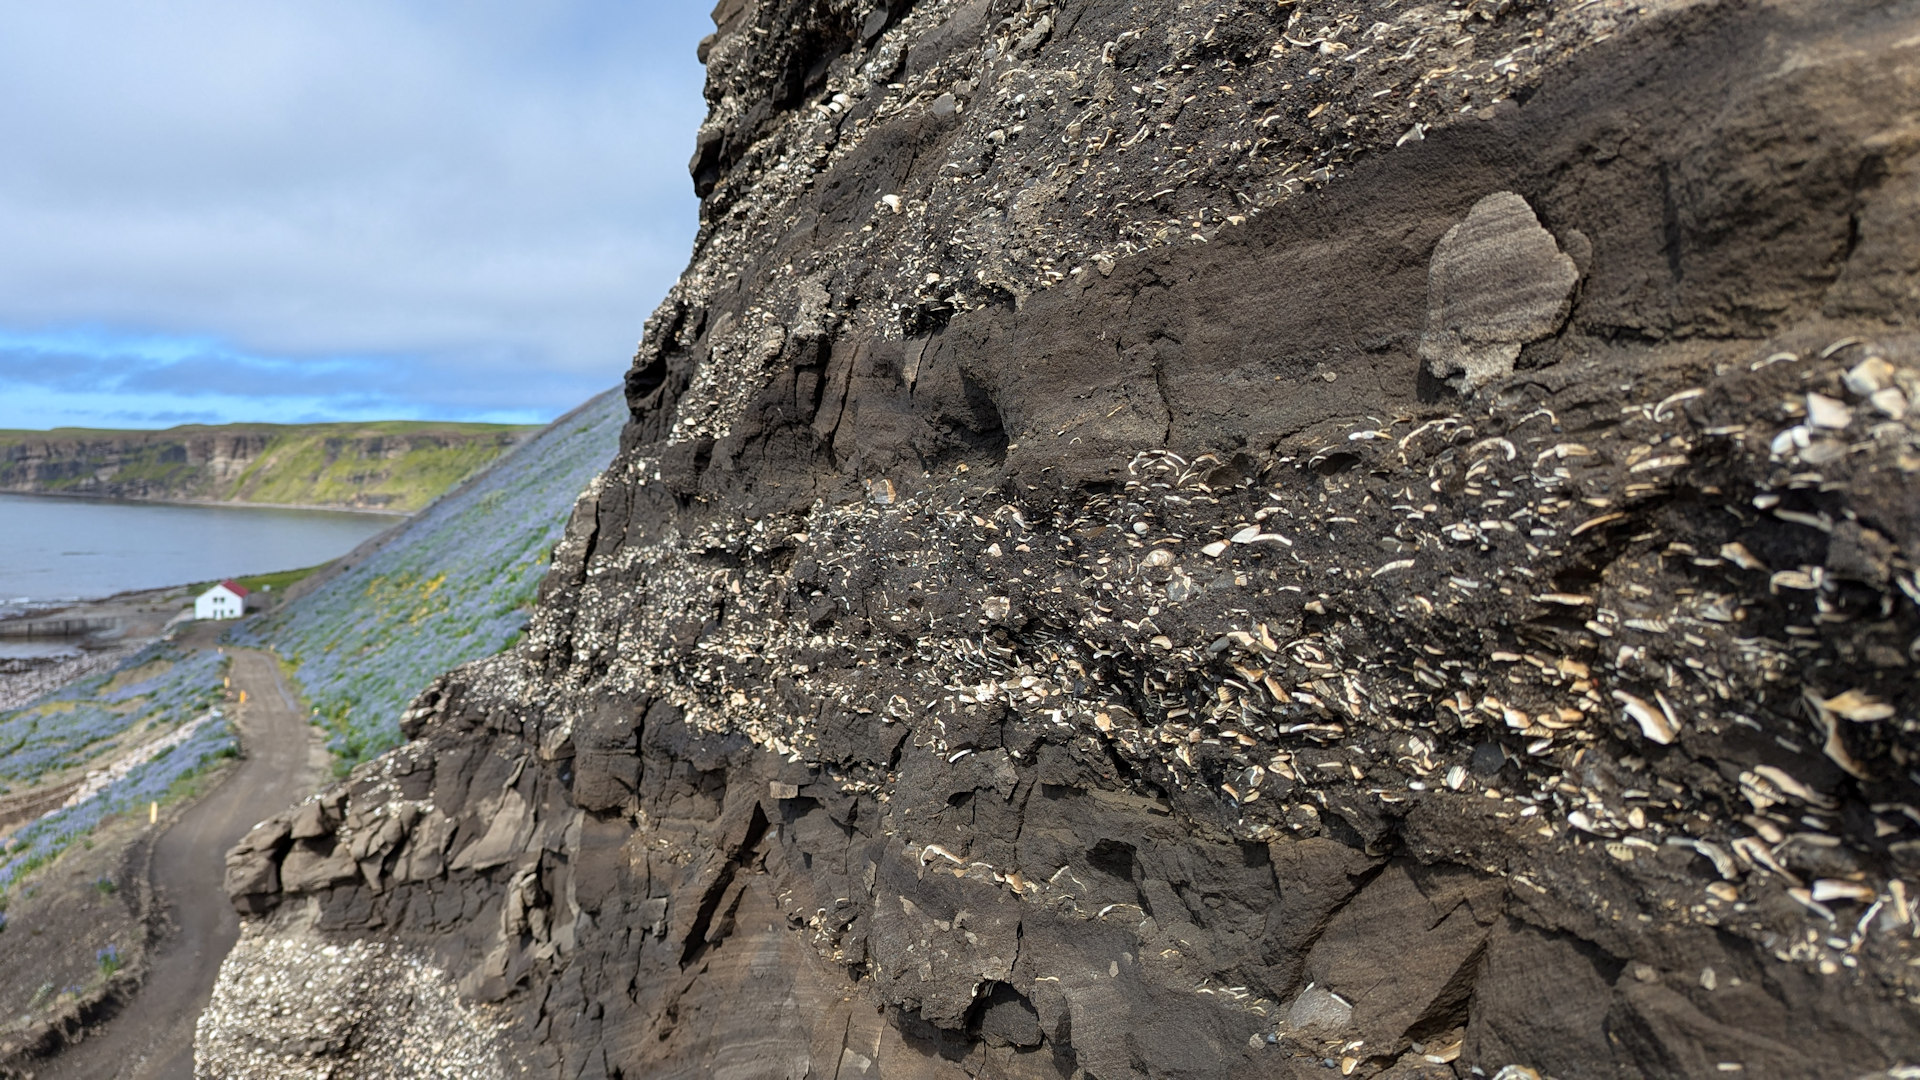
(1498, 282)
(1050, 617)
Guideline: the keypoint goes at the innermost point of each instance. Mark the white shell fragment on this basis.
(1653, 722)
(1857, 707)
(1785, 783)
(1827, 717)
(1252, 535)
(1870, 376)
(1801, 580)
(1890, 403)
(1723, 863)
(1736, 553)
(1825, 412)
(1829, 889)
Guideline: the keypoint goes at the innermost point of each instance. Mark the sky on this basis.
(287, 210)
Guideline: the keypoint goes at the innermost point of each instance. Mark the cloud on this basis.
(441, 209)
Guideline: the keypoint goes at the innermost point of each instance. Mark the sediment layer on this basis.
(1108, 576)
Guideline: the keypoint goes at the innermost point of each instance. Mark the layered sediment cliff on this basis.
(398, 465)
(1216, 539)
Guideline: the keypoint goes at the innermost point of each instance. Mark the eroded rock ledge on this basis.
(1029, 633)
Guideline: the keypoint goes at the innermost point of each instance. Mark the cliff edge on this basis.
(1202, 539)
(396, 466)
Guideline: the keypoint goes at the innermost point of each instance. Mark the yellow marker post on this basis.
(153, 813)
(243, 697)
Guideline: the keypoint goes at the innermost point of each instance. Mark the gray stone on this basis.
(310, 869)
(508, 831)
(1497, 281)
(1319, 1013)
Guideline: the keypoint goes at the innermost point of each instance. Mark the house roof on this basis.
(233, 587)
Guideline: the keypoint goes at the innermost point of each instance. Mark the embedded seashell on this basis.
(1653, 722)
(1596, 522)
(1858, 707)
(1252, 534)
(1736, 553)
(1660, 412)
(1870, 376)
(1825, 412)
(1793, 579)
(1805, 899)
(1828, 889)
(1565, 599)
(1780, 779)
(931, 851)
(1890, 403)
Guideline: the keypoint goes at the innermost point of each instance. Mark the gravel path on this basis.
(152, 1039)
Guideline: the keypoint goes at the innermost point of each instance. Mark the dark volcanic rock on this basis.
(1045, 619)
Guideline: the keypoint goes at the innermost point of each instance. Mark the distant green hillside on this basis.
(397, 466)
(366, 634)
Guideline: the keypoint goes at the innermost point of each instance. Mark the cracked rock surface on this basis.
(1214, 539)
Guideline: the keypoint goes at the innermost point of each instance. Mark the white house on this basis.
(227, 600)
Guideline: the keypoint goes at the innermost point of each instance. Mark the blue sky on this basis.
(287, 210)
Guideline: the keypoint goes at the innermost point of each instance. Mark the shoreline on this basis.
(398, 515)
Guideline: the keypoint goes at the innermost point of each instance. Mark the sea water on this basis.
(55, 548)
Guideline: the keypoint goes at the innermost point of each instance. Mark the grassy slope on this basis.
(351, 464)
(450, 586)
(87, 725)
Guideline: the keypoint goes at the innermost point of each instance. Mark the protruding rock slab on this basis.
(1498, 281)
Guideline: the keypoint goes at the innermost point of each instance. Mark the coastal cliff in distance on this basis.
(397, 466)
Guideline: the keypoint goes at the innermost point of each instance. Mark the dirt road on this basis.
(152, 1038)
